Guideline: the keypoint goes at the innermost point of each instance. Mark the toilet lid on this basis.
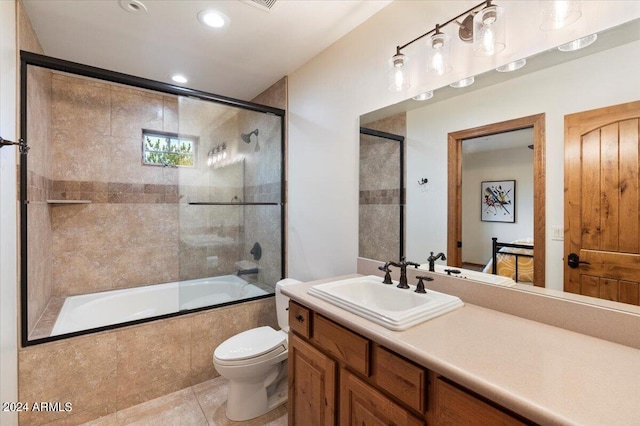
(250, 344)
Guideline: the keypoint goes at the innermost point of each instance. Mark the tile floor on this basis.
(200, 405)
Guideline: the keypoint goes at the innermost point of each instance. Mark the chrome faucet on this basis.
(403, 271)
(432, 260)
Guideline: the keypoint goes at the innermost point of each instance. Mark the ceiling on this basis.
(257, 49)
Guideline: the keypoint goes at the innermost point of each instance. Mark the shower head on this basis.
(247, 136)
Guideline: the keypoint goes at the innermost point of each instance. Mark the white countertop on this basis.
(544, 373)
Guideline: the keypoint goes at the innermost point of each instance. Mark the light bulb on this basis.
(423, 96)
(398, 79)
(438, 53)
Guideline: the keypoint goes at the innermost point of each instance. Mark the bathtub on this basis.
(93, 310)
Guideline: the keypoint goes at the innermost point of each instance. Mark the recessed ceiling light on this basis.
(179, 78)
(423, 96)
(133, 6)
(463, 83)
(578, 44)
(213, 18)
(512, 66)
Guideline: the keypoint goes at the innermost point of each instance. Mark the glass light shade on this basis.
(489, 31)
(578, 44)
(512, 66)
(423, 96)
(558, 14)
(463, 83)
(398, 75)
(439, 53)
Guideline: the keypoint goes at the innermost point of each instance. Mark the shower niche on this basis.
(141, 200)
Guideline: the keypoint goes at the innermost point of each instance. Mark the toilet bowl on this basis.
(255, 363)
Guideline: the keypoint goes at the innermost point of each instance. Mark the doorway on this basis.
(455, 205)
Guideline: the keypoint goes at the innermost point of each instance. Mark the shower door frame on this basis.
(55, 64)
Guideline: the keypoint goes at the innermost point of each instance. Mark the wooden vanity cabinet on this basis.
(337, 376)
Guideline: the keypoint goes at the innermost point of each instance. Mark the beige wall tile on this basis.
(80, 155)
(133, 111)
(81, 371)
(81, 106)
(152, 356)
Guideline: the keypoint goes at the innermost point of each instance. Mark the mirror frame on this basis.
(454, 187)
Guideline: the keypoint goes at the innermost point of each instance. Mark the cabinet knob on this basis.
(300, 318)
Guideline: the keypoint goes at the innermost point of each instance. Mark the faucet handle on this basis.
(387, 275)
(420, 287)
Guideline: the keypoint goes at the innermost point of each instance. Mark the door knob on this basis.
(574, 261)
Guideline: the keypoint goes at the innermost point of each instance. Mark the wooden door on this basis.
(602, 199)
(360, 404)
(312, 379)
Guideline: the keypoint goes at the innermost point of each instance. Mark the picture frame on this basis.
(498, 201)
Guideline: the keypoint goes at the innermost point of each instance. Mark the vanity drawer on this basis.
(300, 319)
(342, 343)
(400, 377)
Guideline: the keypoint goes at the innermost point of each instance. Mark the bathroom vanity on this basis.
(469, 366)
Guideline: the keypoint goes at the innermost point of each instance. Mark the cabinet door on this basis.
(360, 404)
(312, 380)
(456, 407)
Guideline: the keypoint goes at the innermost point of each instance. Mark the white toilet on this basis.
(255, 362)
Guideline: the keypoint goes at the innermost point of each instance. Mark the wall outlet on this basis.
(557, 233)
(212, 262)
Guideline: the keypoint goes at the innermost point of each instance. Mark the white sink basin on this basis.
(473, 275)
(387, 305)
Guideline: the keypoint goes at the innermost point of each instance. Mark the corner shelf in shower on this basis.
(67, 202)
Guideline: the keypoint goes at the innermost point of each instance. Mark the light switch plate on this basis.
(558, 233)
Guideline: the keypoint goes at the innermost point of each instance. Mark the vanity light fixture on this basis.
(465, 82)
(423, 96)
(213, 19)
(438, 52)
(398, 76)
(483, 25)
(512, 66)
(488, 31)
(578, 44)
(558, 14)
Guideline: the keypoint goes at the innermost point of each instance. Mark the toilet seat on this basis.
(251, 346)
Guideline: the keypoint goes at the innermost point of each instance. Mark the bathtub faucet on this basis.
(247, 271)
(432, 260)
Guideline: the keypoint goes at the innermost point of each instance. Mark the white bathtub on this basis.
(117, 306)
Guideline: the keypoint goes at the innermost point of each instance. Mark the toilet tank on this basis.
(282, 303)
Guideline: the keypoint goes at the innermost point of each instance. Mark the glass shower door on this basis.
(230, 205)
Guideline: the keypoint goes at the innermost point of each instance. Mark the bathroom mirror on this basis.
(552, 83)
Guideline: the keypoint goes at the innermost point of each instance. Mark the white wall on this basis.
(329, 93)
(8, 206)
(504, 164)
(571, 87)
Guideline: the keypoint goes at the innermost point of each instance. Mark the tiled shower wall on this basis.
(128, 235)
(379, 214)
